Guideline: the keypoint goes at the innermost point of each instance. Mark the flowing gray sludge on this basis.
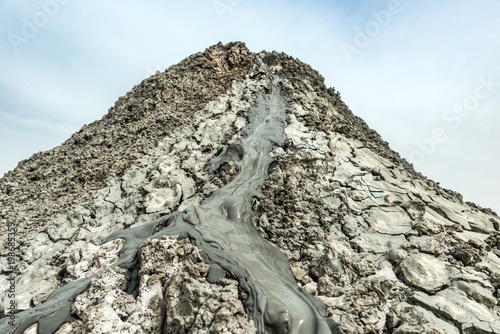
(222, 227)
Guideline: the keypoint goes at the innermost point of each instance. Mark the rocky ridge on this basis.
(385, 249)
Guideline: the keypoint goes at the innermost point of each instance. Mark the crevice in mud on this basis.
(436, 310)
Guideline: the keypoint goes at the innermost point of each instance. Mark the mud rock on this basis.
(406, 318)
(425, 272)
(173, 296)
(453, 305)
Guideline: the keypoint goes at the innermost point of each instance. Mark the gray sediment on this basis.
(222, 227)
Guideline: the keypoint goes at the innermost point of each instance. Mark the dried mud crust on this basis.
(51, 182)
(169, 177)
(329, 113)
(383, 247)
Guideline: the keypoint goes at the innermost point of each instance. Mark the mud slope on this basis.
(235, 193)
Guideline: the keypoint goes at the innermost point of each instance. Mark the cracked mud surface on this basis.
(382, 247)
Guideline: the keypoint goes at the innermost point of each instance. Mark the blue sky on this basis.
(424, 74)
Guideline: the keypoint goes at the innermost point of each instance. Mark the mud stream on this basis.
(222, 227)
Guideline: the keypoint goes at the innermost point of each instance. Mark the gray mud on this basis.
(222, 227)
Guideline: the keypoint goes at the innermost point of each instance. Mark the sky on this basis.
(424, 74)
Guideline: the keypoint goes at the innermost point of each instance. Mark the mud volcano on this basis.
(235, 193)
